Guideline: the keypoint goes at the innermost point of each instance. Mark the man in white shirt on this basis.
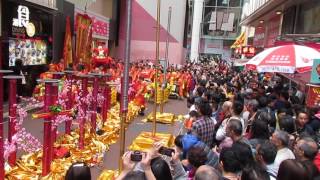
(281, 140)
(236, 110)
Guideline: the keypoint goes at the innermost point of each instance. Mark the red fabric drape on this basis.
(83, 40)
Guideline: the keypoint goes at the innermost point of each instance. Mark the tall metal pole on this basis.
(125, 85)
(168, 34)
(167, 60)
(154, 129)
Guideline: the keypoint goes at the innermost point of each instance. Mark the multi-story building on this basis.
(277, 22)
(271, 23)
(219, 27)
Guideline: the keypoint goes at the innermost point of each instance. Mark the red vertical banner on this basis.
(259, 36)
(83, 39)
(67, 49)
(273, 30)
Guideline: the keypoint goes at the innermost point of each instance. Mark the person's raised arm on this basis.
(146, 165)
(128, 165)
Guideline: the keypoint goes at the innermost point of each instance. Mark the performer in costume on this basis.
(139, 99)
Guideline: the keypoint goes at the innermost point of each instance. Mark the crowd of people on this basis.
(240, 125)
(244, 125)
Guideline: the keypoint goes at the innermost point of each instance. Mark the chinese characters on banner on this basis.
(313, 98)
(248, 51)
(100, 27)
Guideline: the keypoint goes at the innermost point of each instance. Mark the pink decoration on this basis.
(60, 119)
(22, 140)
(106, 103)
(67, 91)
(100, 99)
(94, 103)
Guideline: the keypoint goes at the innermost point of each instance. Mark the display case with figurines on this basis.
(30, 51)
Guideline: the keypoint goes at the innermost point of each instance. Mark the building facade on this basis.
(143, 30)
(219, 27)
(277, 22)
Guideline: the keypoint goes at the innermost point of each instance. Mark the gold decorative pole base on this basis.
(123, 119)
(165, 118)
(145, 140)
(161, 117)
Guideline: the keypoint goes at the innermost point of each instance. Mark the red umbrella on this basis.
(284, 59)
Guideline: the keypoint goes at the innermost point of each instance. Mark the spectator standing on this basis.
(237, 108)
(229, 164)
(207, 173)
(301, 123)
(78, 171)
(306, 150)
(204, 126)
(281, 140)
(266, 154)
(291, 169)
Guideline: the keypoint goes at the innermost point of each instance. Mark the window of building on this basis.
(220, 18)
(235, 3)
(309, 15)
(221, 21)
(288, 21)
(223, 3)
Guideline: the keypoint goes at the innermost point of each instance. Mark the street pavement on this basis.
(111, 159)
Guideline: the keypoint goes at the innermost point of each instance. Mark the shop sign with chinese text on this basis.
(246, 50)
(313, 98)
(22, 25)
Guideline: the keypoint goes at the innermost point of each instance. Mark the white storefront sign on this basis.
(23, 17)
(22, 24)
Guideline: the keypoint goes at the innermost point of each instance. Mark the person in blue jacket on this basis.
(185, 142)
